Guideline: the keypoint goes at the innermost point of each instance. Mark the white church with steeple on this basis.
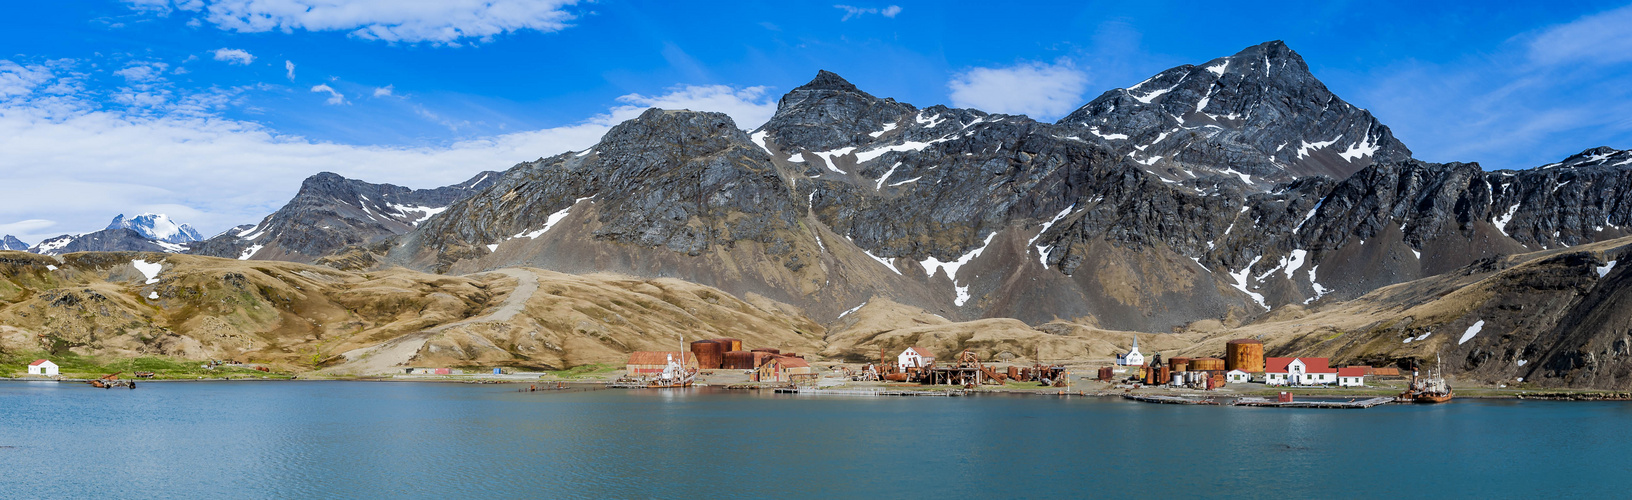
(1132, 358)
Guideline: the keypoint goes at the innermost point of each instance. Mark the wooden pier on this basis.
(1168, 400)
(1353, 404)
(865, 392)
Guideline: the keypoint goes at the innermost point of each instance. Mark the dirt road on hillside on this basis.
(391, 355)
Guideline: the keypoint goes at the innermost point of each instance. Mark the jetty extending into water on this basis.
(1169, 400)
(865, 392)
(1259, 402)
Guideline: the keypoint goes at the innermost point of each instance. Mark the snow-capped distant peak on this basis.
(10, 242)
(157, 227)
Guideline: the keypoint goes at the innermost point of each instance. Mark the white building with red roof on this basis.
(42, 367)
(1299, 371)
(914, 357)
(1352, 376)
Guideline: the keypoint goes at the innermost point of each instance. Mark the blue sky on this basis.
(191, 107)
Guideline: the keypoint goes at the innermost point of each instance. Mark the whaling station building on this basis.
(1244, 362)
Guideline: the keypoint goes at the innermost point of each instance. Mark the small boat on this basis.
(1431, 389)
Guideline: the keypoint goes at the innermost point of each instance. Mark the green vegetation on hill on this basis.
(76, 366)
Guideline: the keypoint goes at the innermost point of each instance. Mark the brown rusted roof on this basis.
(658, 357)
(792, 362)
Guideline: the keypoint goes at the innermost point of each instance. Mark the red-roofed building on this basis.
(42, 367)
(1299, 371)
(1353, 376)
(914, 357)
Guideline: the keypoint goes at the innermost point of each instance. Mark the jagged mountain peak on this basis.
(828, 80)
(12, 243)
(1258, 115)
(158, 227)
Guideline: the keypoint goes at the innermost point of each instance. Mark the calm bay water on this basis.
(370, 440)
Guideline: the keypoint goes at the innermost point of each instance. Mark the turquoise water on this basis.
(372, 440)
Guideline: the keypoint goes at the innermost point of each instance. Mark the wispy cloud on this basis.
(335, 97)
(138, 72)
(289, 67)
(1039, 90)
(384, 91)
(234, 56)
(851, 11)
(1602, 38)
(441, 22)
(1540, 97)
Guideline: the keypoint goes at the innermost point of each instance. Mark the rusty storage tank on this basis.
(709, 354)
(1206, 364)
(767, 350)
(1178, 364)
(760, 358)
(1165, 375)
(1244, 354)
(738, 360)
(730, 344)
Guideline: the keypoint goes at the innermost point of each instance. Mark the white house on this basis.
(1353, 376)
(1237, 377)
(1132, 358)
(1298, 371)
(914, 357)
(42, 367)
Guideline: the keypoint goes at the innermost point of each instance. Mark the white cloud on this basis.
(441, 22)
(71, 161)
(289, 66)
(31, 231)
(138, 72)
(1038, 90)
(748, 107)
(853, 11)
(234, 56)
(334, 96)
(384, 91)
(1601, 38)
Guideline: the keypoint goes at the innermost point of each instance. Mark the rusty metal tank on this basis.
(730, 344)
(1206, 364)
(1244, 354)
(710, 354)
(766, 349)
(1178, 364)
(738, 360)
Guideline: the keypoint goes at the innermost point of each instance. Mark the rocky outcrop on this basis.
(330, 213)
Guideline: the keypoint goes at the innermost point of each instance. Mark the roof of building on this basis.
(39, 362)
(657, 357)
(792, 362)
(922, 352)
(1310, 365)
(1353, 371)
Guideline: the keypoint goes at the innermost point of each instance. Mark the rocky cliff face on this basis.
(331, 212)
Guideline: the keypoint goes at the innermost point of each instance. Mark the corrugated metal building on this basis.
(783, 369)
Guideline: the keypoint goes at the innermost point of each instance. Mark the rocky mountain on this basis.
(843, 196)
(331, 212)
(143, 233)
(12, 243)
(1258, 117)
(107, 240)
(157, 227)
